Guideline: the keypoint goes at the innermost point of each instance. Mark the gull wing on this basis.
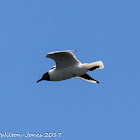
(63, 59)
(86, 77)
(53, 67)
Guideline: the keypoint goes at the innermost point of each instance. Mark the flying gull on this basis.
(68, 66)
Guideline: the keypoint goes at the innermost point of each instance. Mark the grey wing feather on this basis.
(63, 58)
(53, 67)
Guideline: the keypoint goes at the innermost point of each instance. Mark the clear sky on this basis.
(104, 30)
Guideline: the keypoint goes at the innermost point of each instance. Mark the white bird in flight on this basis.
(68, 66)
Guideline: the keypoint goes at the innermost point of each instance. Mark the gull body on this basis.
(67, 66)
(66, 73)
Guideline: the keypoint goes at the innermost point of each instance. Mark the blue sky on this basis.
(99, 30)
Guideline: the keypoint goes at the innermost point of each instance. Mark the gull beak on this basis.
(39, 80)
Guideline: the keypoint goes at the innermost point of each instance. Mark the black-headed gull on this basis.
(67, 66)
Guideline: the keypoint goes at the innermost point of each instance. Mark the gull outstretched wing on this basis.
(86, 77)
(63, 59)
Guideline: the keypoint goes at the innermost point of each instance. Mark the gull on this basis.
(68, 66)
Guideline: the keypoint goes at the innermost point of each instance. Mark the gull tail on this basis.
(93, 66)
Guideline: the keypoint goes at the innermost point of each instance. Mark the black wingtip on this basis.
(98, 82)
